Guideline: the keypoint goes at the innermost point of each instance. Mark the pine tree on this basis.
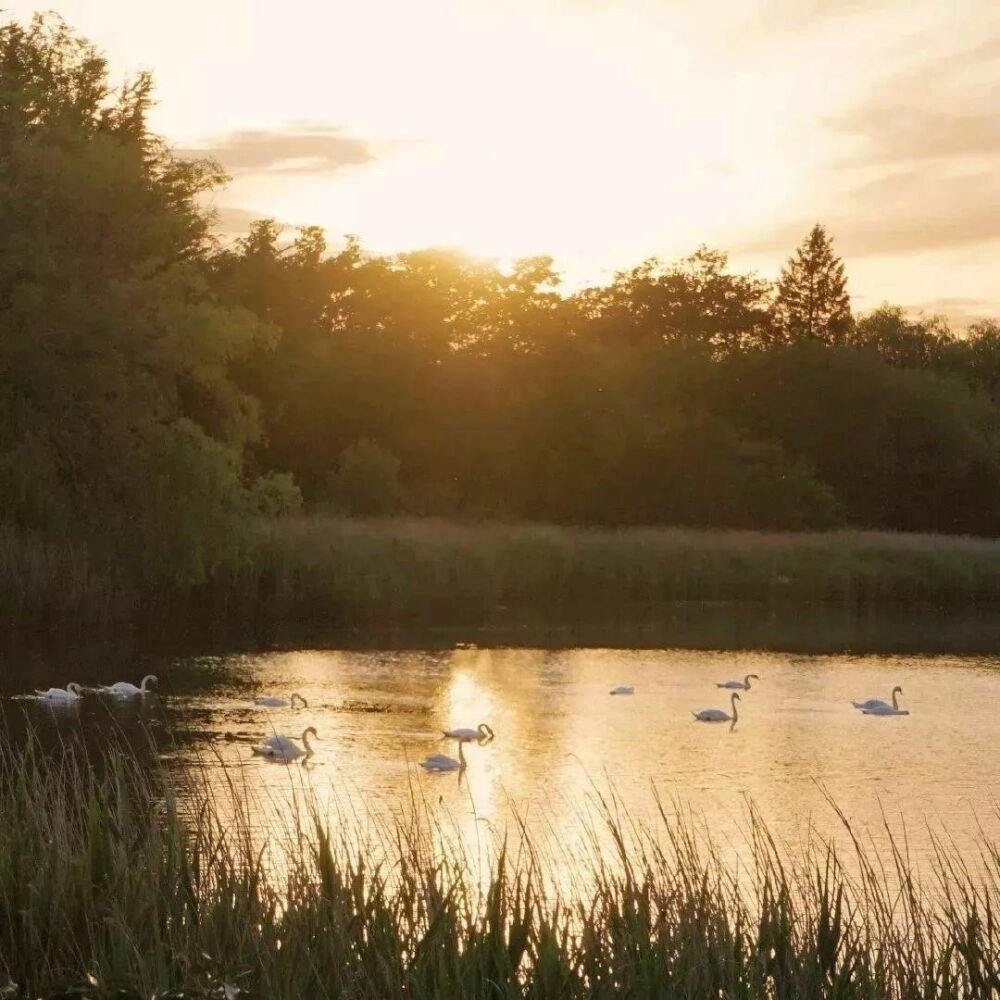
(813, 303)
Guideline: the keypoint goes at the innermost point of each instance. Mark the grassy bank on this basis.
(325, 569)
(339, 572)
(106, 890)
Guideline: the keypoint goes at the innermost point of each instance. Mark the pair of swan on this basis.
(285, 748)
(717, 714)
(442, 762)
(274, 701)
(875, 706)
(72, 693)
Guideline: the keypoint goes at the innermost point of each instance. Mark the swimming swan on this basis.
(442, 762)
(284, 748)
(716, 714)
(125, 690)
(273, 701)
(743, 685)
(623, 689)
(480, 735)
(876, 705)
(63, 696)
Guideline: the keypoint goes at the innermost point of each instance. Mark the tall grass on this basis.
(111, 887)
(324, 568)
(327, 571)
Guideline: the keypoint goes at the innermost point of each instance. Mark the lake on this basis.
(561, 738)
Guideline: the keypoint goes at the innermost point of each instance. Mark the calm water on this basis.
(559, 734)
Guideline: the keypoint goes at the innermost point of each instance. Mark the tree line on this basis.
(159, 388)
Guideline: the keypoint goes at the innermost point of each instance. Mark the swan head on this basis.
(485, 731)
(297, 697)
(74, 688)
(897, 689)
(149, 679)
(736, 697)
(754, 676)
(306, 733)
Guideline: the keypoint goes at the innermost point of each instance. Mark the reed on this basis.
(308, 571)
(112, 886)
(323, 569)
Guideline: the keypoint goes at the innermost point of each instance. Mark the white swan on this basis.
(743, 685)
(878, 706)
(480, 735)
(623, 689)
(717, 714)
(61, 696)
(285, 748)
(274, 701)
(122, 689)
(442, 762)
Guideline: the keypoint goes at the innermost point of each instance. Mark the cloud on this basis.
(312, 149)
(935, 107)
(899, 134)
(902, 212)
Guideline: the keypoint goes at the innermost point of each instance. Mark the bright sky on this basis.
(599, 131)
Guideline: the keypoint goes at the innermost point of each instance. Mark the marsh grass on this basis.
(329, 569)
(305, 572)
(110, 886)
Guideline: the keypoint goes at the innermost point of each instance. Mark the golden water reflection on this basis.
(561, 739)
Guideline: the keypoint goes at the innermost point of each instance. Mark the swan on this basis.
(716, 714)
(623, 689)
(878, 706)
(442, 762)
(122, 689)
(274, 701)
(479, 735)
(284, 748)
(64, 696)
(743, 685)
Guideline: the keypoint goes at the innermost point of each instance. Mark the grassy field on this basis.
(330, 571)
(111, 888)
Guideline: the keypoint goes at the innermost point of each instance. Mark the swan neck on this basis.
(746, 683)
(733, 703)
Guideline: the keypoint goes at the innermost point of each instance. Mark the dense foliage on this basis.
(156, 388)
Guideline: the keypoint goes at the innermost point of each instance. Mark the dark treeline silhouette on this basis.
(158, 389)
(678, 394)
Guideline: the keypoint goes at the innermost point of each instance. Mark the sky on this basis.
(601, 132)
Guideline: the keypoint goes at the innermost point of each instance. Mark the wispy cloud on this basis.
(312, 149)
(937, 107)
(900, 213)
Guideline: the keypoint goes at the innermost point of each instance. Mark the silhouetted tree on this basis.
(118, 419)
(812, 302)
(901, 340)
(693, 300)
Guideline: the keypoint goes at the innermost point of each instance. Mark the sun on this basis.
(584, 139)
